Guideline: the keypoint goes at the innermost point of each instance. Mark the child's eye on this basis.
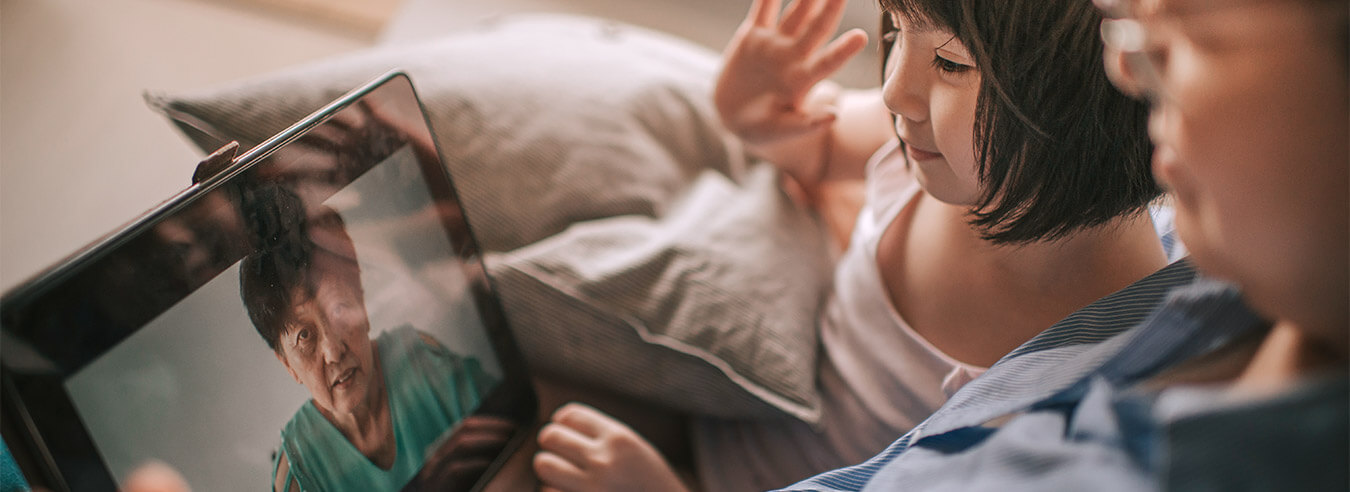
(890, 36)
(949, 66)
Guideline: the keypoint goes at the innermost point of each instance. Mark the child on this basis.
(1249, 120)
(1265, 206)
(1015, 195)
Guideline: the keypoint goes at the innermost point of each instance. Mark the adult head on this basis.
(305, 299)
(1003, 107)
(1251, 127)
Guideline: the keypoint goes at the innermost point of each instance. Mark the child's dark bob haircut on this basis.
(1059, 148)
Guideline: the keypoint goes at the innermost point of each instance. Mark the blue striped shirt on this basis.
(1120, 338)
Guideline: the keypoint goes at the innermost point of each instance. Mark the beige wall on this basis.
(80, 153)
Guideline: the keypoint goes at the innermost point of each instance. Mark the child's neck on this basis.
(976, 301)
(1124, 249)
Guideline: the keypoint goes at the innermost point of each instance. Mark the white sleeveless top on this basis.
(878, 378)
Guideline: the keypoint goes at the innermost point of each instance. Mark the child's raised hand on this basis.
(765, 94)
(583, 449)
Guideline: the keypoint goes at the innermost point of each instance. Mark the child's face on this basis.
(1250, 130)
(932, 86)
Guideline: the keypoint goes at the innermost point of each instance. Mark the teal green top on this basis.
(11, 479)
(430, 389)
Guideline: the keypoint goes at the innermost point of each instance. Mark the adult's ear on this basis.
(282, 357)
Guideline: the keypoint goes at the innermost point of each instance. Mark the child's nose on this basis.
(905, 90)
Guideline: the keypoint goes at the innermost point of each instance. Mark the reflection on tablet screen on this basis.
(381, 377)
(319, 322)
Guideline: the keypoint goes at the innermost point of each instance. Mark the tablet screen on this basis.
(316, 318)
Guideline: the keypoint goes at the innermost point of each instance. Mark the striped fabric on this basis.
(1049, 363)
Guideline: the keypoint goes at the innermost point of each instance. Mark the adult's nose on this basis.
(333, 348)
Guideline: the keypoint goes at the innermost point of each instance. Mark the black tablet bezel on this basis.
(41, 425)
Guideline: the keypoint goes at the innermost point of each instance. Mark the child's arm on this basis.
(582, 449)
(772, 92)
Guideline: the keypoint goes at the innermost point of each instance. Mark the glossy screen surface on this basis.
(153, 337)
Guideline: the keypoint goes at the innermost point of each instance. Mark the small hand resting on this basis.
(770, 91)
(583, 449)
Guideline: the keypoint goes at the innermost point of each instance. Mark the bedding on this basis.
(635, 246)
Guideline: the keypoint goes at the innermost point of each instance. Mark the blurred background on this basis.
(81, 154)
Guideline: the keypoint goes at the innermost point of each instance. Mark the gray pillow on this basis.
(634, 246)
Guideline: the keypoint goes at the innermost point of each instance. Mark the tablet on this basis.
(314, 315)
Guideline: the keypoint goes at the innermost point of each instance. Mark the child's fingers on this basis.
(823, 119)
(565, 442)
(819, 119)
(822, 98)
(837, 53)
(584, 419)
(764, 13)
(822, 24)
(795, 16)
(789, 125)
(558, 472)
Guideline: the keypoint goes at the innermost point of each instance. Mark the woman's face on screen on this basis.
(326, 342)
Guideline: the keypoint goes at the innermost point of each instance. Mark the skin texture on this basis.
(328, 336)
(1250, 126)
(326, 347)
(932, 87)
(973, 299)
(155, 476)
(585, 449)
(770, 91)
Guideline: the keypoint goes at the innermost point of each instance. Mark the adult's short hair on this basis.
(1059, 148)
(279, 275)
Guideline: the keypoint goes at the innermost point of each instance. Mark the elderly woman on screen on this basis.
(375, 405)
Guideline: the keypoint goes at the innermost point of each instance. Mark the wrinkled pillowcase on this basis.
(634, 247)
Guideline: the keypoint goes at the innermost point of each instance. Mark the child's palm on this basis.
(772, 65)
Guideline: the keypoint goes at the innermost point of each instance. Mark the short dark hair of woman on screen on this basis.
(376, 406)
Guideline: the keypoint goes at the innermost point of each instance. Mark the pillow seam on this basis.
(804, 411)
